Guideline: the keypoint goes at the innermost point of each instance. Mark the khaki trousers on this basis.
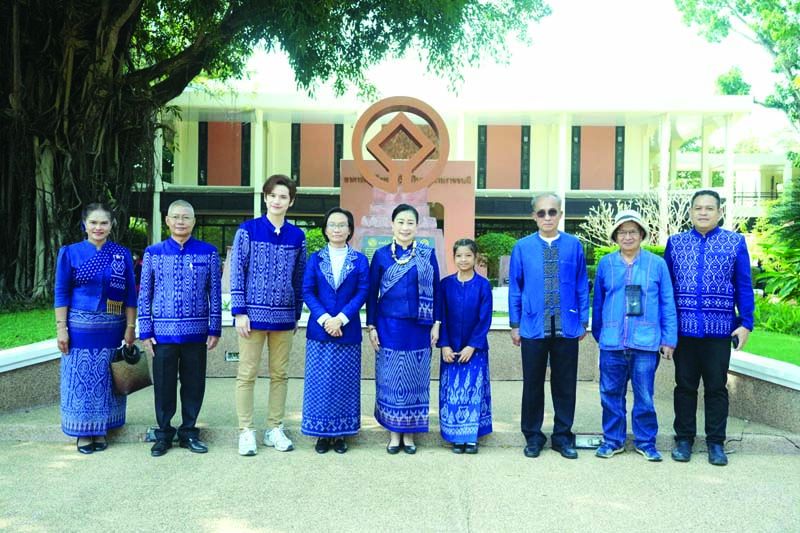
(279, 344)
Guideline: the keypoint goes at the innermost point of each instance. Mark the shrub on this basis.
(778, 317)
(314, 240)
(492, 246)
(602, 251)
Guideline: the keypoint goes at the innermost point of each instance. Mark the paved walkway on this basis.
(45, 485)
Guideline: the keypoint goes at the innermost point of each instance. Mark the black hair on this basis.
(405, 207)
(97, 206)
(350, 222)
(469, 243)
(280, 179)
(707, 192)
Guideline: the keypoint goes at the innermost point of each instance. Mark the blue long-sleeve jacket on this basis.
(321, 296)
(711, 278)
(180, 296)
(267, 274)
(656, 326)
(526, 286)
(466, 313)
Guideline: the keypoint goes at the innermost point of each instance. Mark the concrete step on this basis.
(218, 420)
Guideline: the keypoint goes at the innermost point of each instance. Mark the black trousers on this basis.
(171, 360)
(563, 356)
(708, 359)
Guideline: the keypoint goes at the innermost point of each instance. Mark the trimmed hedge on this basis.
(602, 251)
(778, 317)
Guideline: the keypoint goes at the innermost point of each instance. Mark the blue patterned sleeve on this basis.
(146, 298)
(375, 274)
(240, 255)
(297, 279)
(437, 312)
(441, 304)
(743, 287)
(63, 286)
(130, 281)
(215, 297)
(310, 288)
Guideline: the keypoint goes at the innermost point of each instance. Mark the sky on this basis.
(585, 50)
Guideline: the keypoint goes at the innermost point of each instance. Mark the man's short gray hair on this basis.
(180, 203)
(541, 195)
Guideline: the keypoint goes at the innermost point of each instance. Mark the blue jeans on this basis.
(616, 368)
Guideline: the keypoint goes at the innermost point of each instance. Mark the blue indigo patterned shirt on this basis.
(267, 267)
(180, 296)
(711, 278)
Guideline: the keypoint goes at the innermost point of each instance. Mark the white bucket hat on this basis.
(628, 215)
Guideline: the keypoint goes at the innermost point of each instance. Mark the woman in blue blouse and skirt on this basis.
(465, 398)
(403, 323)
(334, 288)
(95, 307)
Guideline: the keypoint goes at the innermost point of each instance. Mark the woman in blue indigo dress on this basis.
(403, 323)
(95, 307)
(465, 398)
(334, 288)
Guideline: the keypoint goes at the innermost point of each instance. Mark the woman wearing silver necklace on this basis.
(403, 322)
(334, 288)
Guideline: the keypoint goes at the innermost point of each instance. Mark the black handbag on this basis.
(129, 370)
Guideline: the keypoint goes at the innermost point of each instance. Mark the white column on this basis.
(787, 173)
(664, 170)
(155, 219)
(257, 156)
(730, 183)
(563, 177)
(705, 159)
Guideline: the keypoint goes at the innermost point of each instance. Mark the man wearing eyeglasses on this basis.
(548, 314)
(180, 302)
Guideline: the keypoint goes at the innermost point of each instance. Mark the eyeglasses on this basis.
(628, 233)
(181, 218)
(338, 226)
(541, 213)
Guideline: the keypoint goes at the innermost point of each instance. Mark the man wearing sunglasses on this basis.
(548, 313)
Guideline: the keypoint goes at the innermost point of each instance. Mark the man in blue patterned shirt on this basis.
(267, 264)
(180, 302)
(710, 270)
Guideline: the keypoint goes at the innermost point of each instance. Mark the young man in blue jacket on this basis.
(548, 303)
(710, 269)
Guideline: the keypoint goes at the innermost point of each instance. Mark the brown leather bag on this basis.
(129, 370)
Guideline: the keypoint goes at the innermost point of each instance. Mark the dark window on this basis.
(525, 159)
(338, 150)
(619, 159)
(296, 152)
(245, 154)
(575, 160)
(481, 157)
(202, 153)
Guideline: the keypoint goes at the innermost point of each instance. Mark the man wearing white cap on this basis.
(633, 319)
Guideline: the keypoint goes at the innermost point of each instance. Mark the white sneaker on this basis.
(247, 442)
(277, 438)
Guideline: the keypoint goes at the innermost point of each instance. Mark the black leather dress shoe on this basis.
(532, 450)
(322, 445)
(86, 448)
(392, 450)
(160, 448)
(410, 449)
(194, 445)
(100, 445)
(339, 445)
(471, 448)
(567, 451)
(459, 448)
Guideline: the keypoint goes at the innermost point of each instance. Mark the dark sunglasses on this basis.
(550, 212)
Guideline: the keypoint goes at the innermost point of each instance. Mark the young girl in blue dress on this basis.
(465, 400)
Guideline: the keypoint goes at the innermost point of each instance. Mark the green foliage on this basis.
(732, 83)
(491, 246)
(772, 24)
(779, 240)
(314, 240)
(602, 251)
(777, 316)
(24, 327)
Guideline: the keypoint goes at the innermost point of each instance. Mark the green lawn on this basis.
(24, 327)
(775, 346)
